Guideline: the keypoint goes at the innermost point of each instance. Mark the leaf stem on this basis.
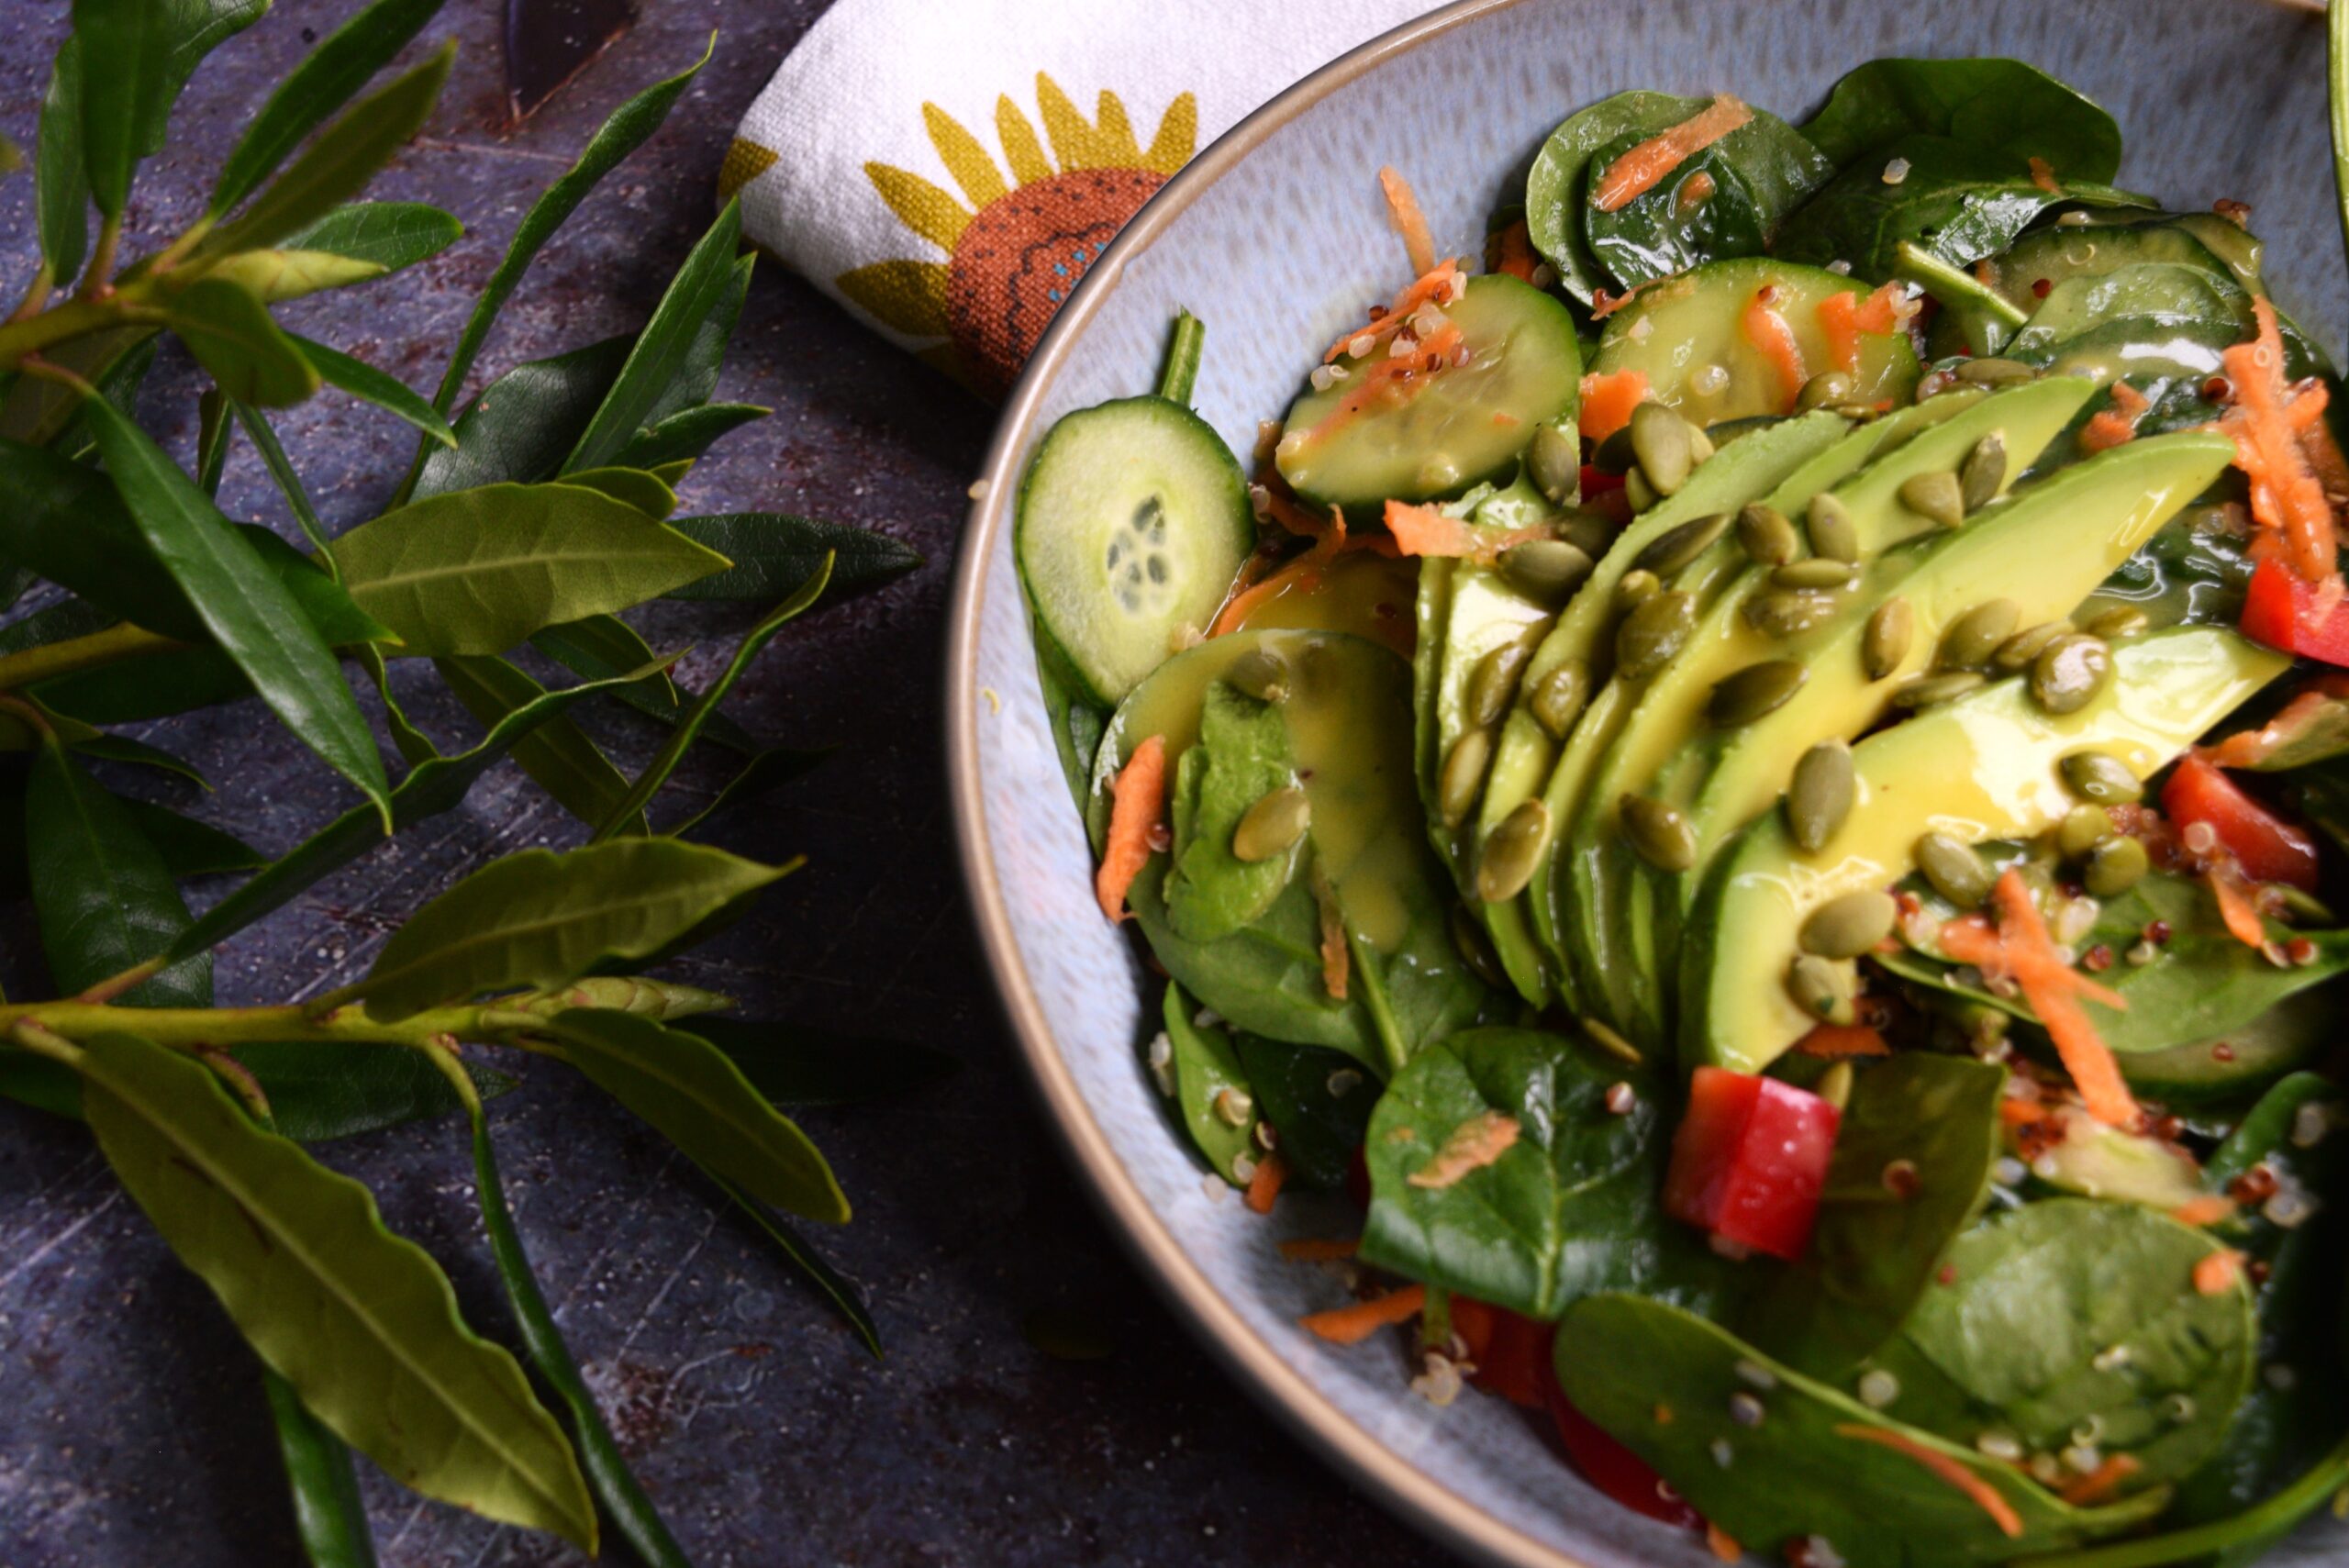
(1181, 372)
(190, 1028)
(238, 1078)
(36, 294)
(41, 1042)
(97, 281)
(107, 990)
(50, 659)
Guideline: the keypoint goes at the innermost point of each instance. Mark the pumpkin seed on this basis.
(1555, 463)
(2100, 778)
(1824, 988)
(1461, 778)
(1272, 826)
(2121, 620)
(1754, 691)
(1511, 851)
(1955, 872)
(1614, 454)
(1938, 497)
(2082, 829)
(1639, 492)
(1558, 697)
(1984, 470)
(1493, 685)
(1607, 1040)
(1825, 388)
(1972, 637)
(1994, 373)
(1766, 535)
(2116, 866)
(1701, 445)
(1832, 533)
(1660, 835)
(1653, 633)
(1819, 796)
(1885, 644)
(1588, 532)
(1819, 571)
(1475, 949)
(1660, 444)
(1549, 570)
(1676, 547)
(1635, 588)
(1835, 1085)
(1261, 673)
(1787, 612)
(1858, 413)
(1850, 925)
(2069, 671)
(1924, 690)
(2017, 652)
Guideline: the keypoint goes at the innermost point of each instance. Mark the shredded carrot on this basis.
(2021, 949)
(1768, 330)
(2286, 497)
(1979, 1492)
(1839, 322)
(2116, 424)
(1439, 285)
(2249, 748)
(1396, 379)
(1722, 1544)
(1834, 1040)
(1403, 212)
(1302, 572)
(2236, 908)
(1639, 169)
(2332, 470)
(1512, 252)
(1608, 401)
(1137, 800)
(2218, 1272)
(1312, 1250)
(2201, 1211)
(1352, 1324)
(1473, 1145)
(2022, 1113)
(2043, 176)
(1425, 530)
(1265, 1184)
(1337, 961)
(2102, 1482)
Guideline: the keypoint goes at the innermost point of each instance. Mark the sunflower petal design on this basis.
(904, 295)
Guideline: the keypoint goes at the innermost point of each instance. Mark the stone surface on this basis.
(133, 1431)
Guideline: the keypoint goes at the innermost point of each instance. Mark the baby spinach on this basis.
(1210, 1089)
(1242, 756)
(2000, 104)
(1319, 1103)
(1702, 211)
(1819, 1464)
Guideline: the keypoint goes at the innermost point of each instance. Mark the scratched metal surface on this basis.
(131, 1429)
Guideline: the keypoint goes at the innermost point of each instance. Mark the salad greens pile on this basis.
(1767, 778)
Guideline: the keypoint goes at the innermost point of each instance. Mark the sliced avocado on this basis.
(1982, 766)
(1606, 936)
(2100, 1161)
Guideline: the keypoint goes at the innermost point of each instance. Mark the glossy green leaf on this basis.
(102, 890)
(247, 610)
(538, 919)
(413, 744)
(361, 1323)
(767, 770)
(154, 687)
(137, 753)
(338, 165)
(67, 523)
(791, 1064)
(560, 757)
(1318, 1102)
(329, 1514)
(391, 235)
(699, 1100)
(189, 848)
(212, 433)
(37, 1082)
(1209, 1086)
(673, 750)
(2000, 103)
(122, 359)
(694, 381)
(646, 492)
(280, 275)
(685, 437)
(230, 333)
(600, 647)
(838, 1289)
(369, 385)
(322, 1090)
(322, 83)
(663, 349)
(479, 570)
(773, 553)
(142, 53)
(298, 495)
(61, 188)
(523, 424)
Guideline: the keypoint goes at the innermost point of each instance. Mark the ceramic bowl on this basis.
(1277, 237)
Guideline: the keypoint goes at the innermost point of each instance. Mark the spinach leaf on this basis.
(1242, 756)
(1664, 1382)
(1998, 103)
(2195, 570)
(1702, 211)
(2072, 1322)
(1211, 1090)
(1570, 1207)
(1319, 1103)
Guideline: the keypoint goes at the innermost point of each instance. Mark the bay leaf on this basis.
(102, 890)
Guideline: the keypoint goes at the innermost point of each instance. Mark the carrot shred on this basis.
(2021, 949)
(1424, 530)
(1396, 379)
(2102, 1482)
(1264, 1185)
(1310, 1249)
(1352, 1324)
(1768, 330)
(1843, 317)
(2286, 497)
(1137, 800)
(1836, 1041)
(1337, 960)
(2022, 1113)
(1437, 285)
(2201, 1211)
(2117, 424)
(2237, 910)
(2249, 748)
(1608, 401)
(1979, 1492)
(1473, 1145)
(1302, 572)
(2218, 1272)
(1512, 252)
(1722, 1544)
(1640, 168)
(2042, 174)
(1403, 212)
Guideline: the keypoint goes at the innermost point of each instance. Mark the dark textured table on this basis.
(132, 1430)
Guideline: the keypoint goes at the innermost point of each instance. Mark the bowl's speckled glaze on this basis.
(1277, 237)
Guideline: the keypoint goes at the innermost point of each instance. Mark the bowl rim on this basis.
(1437, 1510)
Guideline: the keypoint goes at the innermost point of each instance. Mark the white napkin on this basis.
(948, 169)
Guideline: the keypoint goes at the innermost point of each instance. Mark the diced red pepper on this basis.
(1608, 1465)
(1749, 1160)
(1598, 481)
(2268, 848)
(1358, 1180)
(2287, 613)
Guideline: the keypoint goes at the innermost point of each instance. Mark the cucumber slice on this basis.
(2055, 256)
(1444, 432)
(1132, 522)
(1687, 336)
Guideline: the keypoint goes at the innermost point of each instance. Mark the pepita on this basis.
(1819, 571)
(1984, 472)
(1635, 588)
(2069, 671)
(1261, 673)
(1638, 491)
(1824, 988)
(1766, 535)
(1787, 612)
(1884, 645)
(1937, 497)
(1676, 547)
(1461, 778)
(1953, 868)
(1833, 534)
(1972, 637)
(1924, 690)
(1272, 826)
(1826, 388)
(2120, 620)
(1819, 796)
(2082, 829)
(2100, 779)
(1658, 833)
(1653, 633)
(1558, 697)
(1614, 454)
(2017, 652)
(1554, 460)
(2116, 866)
(1857, 413)
(1849, 926)
(1701, 445)
(1511, 851)
(1493, 685)
(1475, 949)
(1588, 532)
(1994, 373)
(1754, 691)
(1548, 570)
(1660, 445)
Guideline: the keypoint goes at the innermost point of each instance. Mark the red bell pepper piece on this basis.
(2285, 612)
(1749, 1160)
(2268, 848)
(1608, 1465)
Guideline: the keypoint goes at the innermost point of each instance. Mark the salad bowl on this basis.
(1276, 237)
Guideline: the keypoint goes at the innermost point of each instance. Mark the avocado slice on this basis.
(1597, 877)
(2092, 1160)
(1983, 766)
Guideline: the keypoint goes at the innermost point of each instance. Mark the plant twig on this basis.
(239, 1077)
(50, 659)
(97, 279)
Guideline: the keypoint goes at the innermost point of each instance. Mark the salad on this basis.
(1764, 778)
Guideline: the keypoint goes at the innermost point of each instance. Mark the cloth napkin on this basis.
(934, 165)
